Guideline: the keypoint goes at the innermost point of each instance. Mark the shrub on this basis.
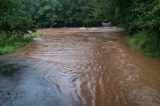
(11, 41)
(146, 43)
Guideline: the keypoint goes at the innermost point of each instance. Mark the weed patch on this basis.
(146, 43)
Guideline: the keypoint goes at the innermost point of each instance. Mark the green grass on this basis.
(147, 43)
(12, 41)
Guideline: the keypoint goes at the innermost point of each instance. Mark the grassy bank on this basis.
(12, 41)
(147, 43)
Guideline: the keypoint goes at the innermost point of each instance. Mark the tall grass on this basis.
(147, 43)
(11, 41)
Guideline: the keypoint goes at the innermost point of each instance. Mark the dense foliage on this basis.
(26, 14)
(53, 13)
(135, 15)
(12, 16)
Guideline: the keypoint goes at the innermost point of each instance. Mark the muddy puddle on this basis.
(79, 67)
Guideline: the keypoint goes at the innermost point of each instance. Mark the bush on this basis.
(146, 43)
(11, 41)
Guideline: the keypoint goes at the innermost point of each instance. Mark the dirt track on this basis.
(79, 67)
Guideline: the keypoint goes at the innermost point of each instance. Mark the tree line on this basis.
(134, 15)
(27, 14)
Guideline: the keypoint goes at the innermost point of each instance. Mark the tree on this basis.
(13, 18)
(50, 13)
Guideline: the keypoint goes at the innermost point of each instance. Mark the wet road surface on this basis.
(79, 67)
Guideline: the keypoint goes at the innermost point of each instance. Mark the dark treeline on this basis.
(134, 15)
(59, 13)
(140, 18)
(27, 14)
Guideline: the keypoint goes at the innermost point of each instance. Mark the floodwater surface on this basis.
(79, 67)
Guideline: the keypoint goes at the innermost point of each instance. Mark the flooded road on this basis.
(79, 67)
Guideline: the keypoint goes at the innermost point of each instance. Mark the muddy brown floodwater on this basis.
(79, 67)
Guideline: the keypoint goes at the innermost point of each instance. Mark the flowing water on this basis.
(79, 67)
